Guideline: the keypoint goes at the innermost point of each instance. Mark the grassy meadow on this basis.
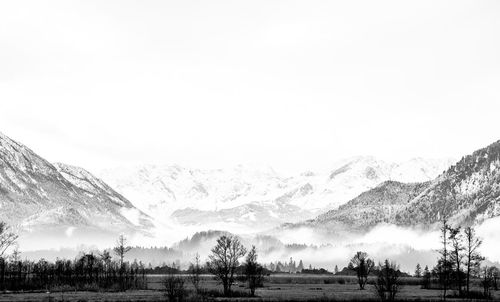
(276, 288)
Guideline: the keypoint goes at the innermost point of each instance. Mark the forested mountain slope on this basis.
(468, 192)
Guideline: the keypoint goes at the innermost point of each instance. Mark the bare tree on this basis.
(7, 238)
(362, 265)
(106, 259)
(121, 248)
(487, 282)
(472, 256)
(174, 286)
(388, 283)
(224, 260)
(195, 273)
(457, 255)
(444, 264)
(253, 271)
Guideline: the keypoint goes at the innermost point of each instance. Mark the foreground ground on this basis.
(277, 288)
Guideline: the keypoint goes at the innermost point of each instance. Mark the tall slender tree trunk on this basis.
(458, 272)
(225, 284)
(445, 258)
(468, 276)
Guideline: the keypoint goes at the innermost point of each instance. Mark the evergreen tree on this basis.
(272, 267)
(301, 266)
(388, 283)
(426, 278)
(472, 256)
(16, 255)
(418, 271)
(253, 271)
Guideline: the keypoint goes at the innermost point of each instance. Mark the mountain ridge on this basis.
(468, 192)
(35, 193)
(246, 196)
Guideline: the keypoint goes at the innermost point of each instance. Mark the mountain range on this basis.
(257, 198)
(355, 194)
(37, 195)
(466, 193)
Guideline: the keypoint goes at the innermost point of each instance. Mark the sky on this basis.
(283, 83)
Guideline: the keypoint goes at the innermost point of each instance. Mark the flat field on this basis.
(277, 288)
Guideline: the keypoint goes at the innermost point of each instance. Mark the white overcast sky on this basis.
(215, 83)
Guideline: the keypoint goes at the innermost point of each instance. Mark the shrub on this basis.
(174, 287)
(387, 283)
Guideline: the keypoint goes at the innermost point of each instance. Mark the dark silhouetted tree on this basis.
(254, 272)
(362, 265)
(224, 259)
(457, 256)
(472, 256)
(174, 285)
(195, 271)
(487, 282)
(494, 272)
(121, 248)
(426, 278)
(444, 266)
(388, 281)
(418, 271)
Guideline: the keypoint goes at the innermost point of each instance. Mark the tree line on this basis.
(88, 271)
(459, 263)
(224, 264)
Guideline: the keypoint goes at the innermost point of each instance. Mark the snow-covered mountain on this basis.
(370, 208)
(466, 193)
(257, 197)
(37, 195)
